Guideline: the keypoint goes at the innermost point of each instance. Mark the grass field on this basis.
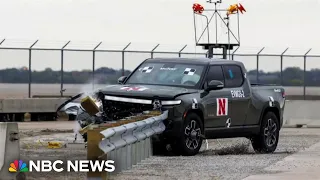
(21, 90)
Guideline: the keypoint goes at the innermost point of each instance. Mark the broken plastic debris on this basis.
(54, 145)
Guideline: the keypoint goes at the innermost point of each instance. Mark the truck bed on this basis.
(275, 87)
(264, 90)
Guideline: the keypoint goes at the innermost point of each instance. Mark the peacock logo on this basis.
(18, 166)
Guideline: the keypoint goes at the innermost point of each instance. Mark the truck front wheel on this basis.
(267, 140)
(190, 140)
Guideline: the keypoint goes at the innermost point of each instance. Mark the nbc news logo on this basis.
(48, 166)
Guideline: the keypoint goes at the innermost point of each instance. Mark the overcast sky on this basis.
(275, 24)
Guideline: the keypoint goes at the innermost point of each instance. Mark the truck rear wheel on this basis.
(190, 140)
(267, 140)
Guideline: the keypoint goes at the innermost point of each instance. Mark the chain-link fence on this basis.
(299, 70)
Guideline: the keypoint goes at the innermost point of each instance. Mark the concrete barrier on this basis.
(9, 148)
(30, 105)
(300, 113)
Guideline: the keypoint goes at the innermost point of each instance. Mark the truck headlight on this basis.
(171, 102)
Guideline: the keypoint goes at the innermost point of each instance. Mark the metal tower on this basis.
(212, 42)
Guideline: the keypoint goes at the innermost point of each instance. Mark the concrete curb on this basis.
(289, 126)
(300, 126)
(313, 126)
(294, 126)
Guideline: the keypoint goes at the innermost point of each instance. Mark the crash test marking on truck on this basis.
(206, 99)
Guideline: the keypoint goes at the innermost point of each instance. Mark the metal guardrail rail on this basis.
(127, 144)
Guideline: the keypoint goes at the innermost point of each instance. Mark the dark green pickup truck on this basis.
(206, 98)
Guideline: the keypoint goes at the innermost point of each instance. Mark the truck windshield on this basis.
(169, 73)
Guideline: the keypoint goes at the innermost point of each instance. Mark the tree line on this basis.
(292, 76)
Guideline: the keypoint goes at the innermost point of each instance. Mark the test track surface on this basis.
(226, 159)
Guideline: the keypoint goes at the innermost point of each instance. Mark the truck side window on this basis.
(215, 73)
(233, 75)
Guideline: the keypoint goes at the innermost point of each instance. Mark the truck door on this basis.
(239, 91)
(217, 102)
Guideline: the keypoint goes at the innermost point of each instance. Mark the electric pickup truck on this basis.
(205, 99)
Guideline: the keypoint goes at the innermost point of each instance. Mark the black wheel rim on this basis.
(270, 132)
(192, 135)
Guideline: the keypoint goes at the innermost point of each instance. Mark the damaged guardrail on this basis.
(126, 140)
(129, 144)
(126, 144)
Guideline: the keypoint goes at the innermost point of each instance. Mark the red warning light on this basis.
(197, 8)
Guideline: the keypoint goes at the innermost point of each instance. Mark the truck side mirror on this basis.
(122, 79)
(214, 85)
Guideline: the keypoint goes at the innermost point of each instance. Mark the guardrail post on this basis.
(182, 49)
(30, 70)
(128, 157)
(94, 62)
(304, 73)
(258, 64)
(281, 65)
(123, 50)
(93, 151)
(232, 56)
(152, 51)
(134, 153)
(129, 139)
(148, 131)
(142, 150)
(139, 135)
(148, 147)
(61, 72)
(117, 161)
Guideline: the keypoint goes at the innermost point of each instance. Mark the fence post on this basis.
(281, 65)
(182, 49)
(2, 41)
(94, 62)
(304, 73)
(61, 72)
(123, 50)
(234, 52)
(258, 64)
(154, 49)
(30, 71)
